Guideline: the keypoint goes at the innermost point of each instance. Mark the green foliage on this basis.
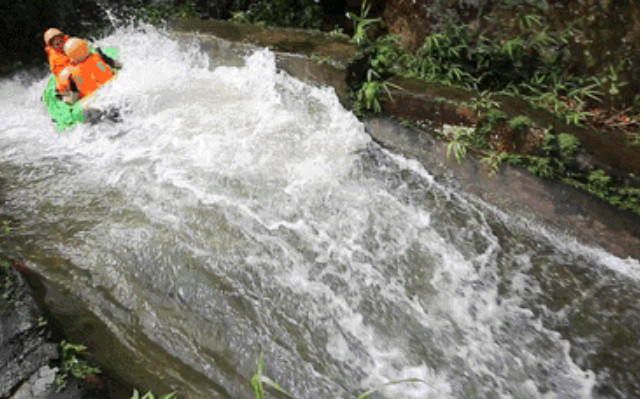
(550, 145)
(542, 167)
(484, 102)
(521, 56)
(524, 59)
(368, 97)
(493, 118)
(338, 34)
(496, 116)
(61, 381)
(72, 357)
(150, 395)
(6, 227)
(520, 123)
(259, 379)
(285, 13)
(603, 186)
(386, 55)
(163, 12)
(362, 24)
(259, 382)
(599, 180)
(459, 143)
(568, 145)
(445, 57)
(382, 55)
(557, 162)
(494, 161)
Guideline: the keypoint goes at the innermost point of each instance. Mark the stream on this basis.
(237, 211)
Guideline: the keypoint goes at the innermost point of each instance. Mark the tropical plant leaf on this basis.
(373, 391)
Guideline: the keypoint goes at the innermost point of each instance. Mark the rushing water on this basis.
(236, 210)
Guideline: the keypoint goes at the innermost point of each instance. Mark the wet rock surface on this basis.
(24, 345)
(277, 39)
(29, 352)
(514, 190)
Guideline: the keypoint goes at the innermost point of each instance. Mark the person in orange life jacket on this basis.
(58, 60)
(87, 72)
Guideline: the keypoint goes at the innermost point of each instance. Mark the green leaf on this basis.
(457, 149)
(373, 391)
(256, 380)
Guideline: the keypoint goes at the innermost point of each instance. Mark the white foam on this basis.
(263, 177)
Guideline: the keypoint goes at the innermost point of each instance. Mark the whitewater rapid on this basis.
(236, 210)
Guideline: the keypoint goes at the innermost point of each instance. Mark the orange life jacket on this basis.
(90, 74)
(58, 60)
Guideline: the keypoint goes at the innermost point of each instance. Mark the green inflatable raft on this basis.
(64, 115)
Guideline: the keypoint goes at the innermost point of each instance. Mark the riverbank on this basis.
(321, 59)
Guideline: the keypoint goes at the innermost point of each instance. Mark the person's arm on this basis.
(113, 63)
(71, 97)
(50, 59)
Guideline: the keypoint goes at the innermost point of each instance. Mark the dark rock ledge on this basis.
(29, 357)
(26, 349)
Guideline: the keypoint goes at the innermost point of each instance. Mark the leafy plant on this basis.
(542, 167)
(362, 23)
(521, 56)
(494, 161)
(287, 13)
(160, 13)
(381, 55)
(6, 226)
(603, 186)
(599, 180)
(484, 102)
(386, 55)
(338, 33)
(73, 363)
(445, 57)
(568, 145)
(493, 118)
(150, 395)
(258, 379)
(459, 143)
(520, 122)
(369, 95)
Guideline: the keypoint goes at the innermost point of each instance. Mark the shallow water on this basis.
(236, 210)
